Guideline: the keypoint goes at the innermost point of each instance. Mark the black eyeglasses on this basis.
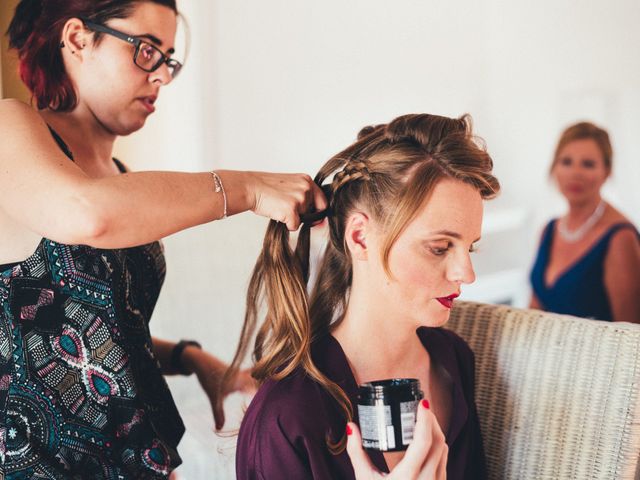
(146, 56)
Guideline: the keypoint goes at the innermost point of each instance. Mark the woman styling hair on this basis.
(81, 386)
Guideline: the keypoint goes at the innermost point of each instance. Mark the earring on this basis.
(61, 44)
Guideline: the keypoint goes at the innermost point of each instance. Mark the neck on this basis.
(88, 140)
(580, 212)
(375, 345)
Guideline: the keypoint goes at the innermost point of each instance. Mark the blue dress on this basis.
(580, 289)
(81, 393)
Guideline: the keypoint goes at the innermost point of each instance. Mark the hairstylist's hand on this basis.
(284, 196)
(425, 459)
(209, 371)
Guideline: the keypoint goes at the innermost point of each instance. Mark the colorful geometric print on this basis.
(81, 394)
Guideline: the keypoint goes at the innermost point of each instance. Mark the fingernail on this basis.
(425, 403)
(349, 431)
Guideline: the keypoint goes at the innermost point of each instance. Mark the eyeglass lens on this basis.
(150, 58)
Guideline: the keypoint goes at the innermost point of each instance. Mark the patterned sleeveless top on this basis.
(580, 289)
(81, 393)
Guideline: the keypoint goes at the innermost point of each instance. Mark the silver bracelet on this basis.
(217, 181)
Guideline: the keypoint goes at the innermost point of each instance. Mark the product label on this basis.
(408, 420)
(376, 427)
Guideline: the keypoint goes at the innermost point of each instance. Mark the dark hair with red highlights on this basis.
(35, 32)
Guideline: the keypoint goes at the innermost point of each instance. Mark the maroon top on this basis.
(284, 431)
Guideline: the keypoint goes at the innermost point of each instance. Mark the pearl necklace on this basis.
(573, 236)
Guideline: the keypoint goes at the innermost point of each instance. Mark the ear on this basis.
(355, 235)
(75, 37)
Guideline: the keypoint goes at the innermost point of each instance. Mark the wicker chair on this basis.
(558, 396)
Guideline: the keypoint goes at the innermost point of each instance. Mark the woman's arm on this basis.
(52, 196)
(535, 303)
(622, 276)
(208, 369)
(162, 350)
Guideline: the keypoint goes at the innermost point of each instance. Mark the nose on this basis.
(461, 269)
(162, 75)
(574, 170)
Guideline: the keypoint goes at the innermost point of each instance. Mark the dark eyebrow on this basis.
(449, 233)
(155, 40)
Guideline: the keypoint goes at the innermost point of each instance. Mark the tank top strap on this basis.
(547, 236)
(120, 165)
(67, 151)
(599, 249)
(613, 229)
(61, 143)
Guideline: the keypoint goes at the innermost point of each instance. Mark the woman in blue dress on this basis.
(81, 388)
(588, 262)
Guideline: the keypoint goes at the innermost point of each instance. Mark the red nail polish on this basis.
(425, 403)
(349, 431)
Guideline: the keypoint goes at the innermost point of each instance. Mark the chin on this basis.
(435, 317)
(130, 127)
(580, 198)
(443, 320)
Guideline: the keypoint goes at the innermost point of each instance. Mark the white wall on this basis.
(282, 85)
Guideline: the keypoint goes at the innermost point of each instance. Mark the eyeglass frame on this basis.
(136, 42)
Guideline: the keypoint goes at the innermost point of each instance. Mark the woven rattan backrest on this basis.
(558, 396)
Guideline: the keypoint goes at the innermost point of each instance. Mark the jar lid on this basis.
(392, 386)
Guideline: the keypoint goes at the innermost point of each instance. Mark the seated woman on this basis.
(588, 262)
(406, 203)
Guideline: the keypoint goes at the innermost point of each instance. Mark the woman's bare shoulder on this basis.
(614, 216)
(31, 142)
(19, 119)
(9, 105)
